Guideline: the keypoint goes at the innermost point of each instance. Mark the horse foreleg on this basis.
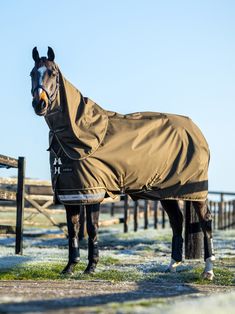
(205, 219)
(73, 225)
(92, 214)
(176, 221)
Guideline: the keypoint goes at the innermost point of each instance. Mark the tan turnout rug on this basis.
(95, 153)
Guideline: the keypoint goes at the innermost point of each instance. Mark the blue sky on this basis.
(127, 55)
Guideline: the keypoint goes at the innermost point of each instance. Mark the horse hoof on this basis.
(208, 275)
(171, 268)
(68, 270)
(90, 269)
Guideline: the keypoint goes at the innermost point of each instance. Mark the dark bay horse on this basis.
(96, 153)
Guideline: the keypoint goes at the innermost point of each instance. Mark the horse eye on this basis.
(51, 72)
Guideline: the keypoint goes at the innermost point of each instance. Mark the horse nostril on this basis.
(43, 105)
(39, 106)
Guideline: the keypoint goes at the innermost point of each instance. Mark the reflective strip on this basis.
(79, 197)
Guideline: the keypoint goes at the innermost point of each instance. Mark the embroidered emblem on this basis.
(57, 161)
(57, 170)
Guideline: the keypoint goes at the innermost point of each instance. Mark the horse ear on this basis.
(35, 54)
(50, 54)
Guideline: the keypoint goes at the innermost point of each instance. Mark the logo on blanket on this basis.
(59, 167)
(57, 163)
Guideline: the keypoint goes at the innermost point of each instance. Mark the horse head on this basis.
(45, 81)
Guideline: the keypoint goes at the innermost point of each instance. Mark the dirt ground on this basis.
(145, 252)
(82, 296)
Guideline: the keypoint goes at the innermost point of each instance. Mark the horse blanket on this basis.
(95, 153)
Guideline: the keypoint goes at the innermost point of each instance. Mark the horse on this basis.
(96, 153)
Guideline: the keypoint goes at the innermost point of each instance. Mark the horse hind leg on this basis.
(176, 221)
(73, 224)
(205, 219)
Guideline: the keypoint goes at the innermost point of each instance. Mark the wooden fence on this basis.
(133, 215)
(39, 200)
(223, 214)
(149, 212)
(39, 210)
(152, 213)
(18, 196)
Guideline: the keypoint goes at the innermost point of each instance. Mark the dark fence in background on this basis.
(152, 214)
(223, 211)
(145, 214)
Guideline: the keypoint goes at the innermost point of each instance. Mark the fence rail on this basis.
(8, 162)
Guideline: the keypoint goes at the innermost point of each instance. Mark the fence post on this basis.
(225, 215)
(112, 209)
(163, 218)
(155, 218)
(214, 215)
(210, 204)
(193, 234)
(221, 215)
(146, 210)
(233, 215)
(136, 212)
(126, 213)
(20, 206)
(230, 221)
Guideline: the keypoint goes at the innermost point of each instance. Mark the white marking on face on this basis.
(41, 72)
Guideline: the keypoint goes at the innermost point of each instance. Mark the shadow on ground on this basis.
(144, 290)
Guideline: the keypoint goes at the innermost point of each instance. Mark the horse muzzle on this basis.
(40, 103)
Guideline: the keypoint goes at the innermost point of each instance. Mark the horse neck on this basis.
(65, 109)
(70, 97)
(79, 123)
